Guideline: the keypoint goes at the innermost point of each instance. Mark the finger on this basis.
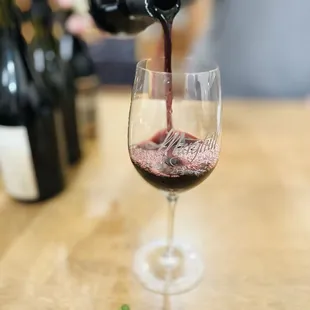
(77, 24)
(84, 27)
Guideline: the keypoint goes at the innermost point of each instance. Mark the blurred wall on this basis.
(114, 60)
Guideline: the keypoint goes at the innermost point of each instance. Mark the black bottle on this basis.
(87, 84)
(75, 53)
(30, 139)
(129, 16)
(73, 50)
(44, 55)
(81, 60)
(82, 63)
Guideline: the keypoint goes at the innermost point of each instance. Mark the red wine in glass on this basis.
(173, 161)
(158, 165)
(176, 161)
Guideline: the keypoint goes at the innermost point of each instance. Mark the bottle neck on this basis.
(7, 15)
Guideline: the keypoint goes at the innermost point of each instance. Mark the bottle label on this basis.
(16, 163)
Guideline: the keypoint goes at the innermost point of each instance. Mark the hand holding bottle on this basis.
(80, 24)
(128, 17)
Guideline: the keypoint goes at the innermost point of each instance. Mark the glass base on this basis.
(176, 274)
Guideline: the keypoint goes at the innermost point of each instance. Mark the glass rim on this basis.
(214, 67)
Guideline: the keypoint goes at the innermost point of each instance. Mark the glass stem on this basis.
(172, 202)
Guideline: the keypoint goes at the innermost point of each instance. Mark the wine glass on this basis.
(174, 148)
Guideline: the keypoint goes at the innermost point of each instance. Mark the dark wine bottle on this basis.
(44, 55)
(30, 135)
(75, 54)
(82, 63)
(73, 49)
(129, 16)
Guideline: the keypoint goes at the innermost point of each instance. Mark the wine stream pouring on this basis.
(134, 16)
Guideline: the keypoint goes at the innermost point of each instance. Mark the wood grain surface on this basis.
(250, 221)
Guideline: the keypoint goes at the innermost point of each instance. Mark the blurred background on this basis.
(261, 48)
(64, 103)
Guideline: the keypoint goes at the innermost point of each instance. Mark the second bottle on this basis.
(44, 57)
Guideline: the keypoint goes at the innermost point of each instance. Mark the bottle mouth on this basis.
(165, 5)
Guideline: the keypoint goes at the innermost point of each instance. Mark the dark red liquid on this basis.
(166, 23)
(167, 28)
(174, 161)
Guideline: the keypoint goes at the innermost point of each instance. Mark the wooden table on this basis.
(250, 221)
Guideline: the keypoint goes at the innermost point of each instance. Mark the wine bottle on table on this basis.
(30, 139)
(87, 84)
(75, 53)
(44, 56)
(81, 61)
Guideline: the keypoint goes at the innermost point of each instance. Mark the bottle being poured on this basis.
(131, 16)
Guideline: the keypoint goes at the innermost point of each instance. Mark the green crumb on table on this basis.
(125, 307)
